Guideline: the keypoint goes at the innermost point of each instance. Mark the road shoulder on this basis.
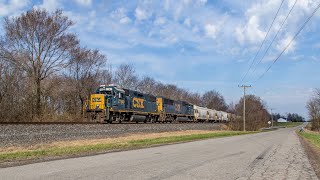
(313, 154)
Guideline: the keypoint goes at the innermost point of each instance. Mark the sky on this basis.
(202, 45)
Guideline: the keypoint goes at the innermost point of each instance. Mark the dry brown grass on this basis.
(121, 139)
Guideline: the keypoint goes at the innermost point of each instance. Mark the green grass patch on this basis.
(313, 138)
(287, 124)
(102, 147)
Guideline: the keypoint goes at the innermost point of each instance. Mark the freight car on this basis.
(202, 114)
(114, 104)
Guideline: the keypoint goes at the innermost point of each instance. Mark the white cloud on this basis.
(251, 32)
(283, 43)
(125, 20)
(166, 5)
(83, 2)
(202, 2)
(92, 22)
(120, 15)
(195, 29)
(211, 30)
(297, 57)
(12, 7)
(49, 5)
(160, 21)
(187, 22)
(141, 14)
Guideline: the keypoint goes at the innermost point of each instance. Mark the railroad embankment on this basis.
(32, 134)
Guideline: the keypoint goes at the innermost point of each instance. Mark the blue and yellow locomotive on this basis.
(114, 104)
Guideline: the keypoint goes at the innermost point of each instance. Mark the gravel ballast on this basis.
(31, 134)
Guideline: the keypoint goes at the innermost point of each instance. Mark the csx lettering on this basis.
(138, 102)
(96, 99)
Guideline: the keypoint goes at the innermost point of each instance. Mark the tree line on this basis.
(46, 74)
(293, 117)
(313, 106)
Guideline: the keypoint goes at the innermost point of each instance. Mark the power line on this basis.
(274, 37)
(297, 33)
(262, 42)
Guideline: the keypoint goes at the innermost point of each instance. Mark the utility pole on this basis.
(271, 117)
(244, 105)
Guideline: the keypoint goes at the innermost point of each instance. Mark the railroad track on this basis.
(25, 134)
(34, 123)
(68, 123)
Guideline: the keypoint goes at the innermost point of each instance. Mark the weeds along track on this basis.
(30, 134)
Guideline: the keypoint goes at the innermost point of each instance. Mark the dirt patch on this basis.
(313, 154)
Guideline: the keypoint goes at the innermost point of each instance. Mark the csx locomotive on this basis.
(114, 104)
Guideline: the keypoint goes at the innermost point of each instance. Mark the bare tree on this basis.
(313, 106)
(256, 114)
(84, 71)
(125, 76)
(147, 85)
(38, 43)
(214, 100)
(13, 93)
(193, 98)
(106, 76)
(231, 108)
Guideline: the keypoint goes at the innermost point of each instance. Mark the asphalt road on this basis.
(270, 155)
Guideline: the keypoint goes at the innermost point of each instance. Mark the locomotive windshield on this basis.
(104, 90)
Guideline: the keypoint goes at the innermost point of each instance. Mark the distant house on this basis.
(281, 120)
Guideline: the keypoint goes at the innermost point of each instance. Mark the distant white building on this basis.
(281, 120)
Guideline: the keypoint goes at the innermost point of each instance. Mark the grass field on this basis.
(287, 124)
(312, 137)
(69, 148)
(311, 143)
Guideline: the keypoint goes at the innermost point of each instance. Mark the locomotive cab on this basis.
(108, 93)
(113, 95)
(105, 99)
